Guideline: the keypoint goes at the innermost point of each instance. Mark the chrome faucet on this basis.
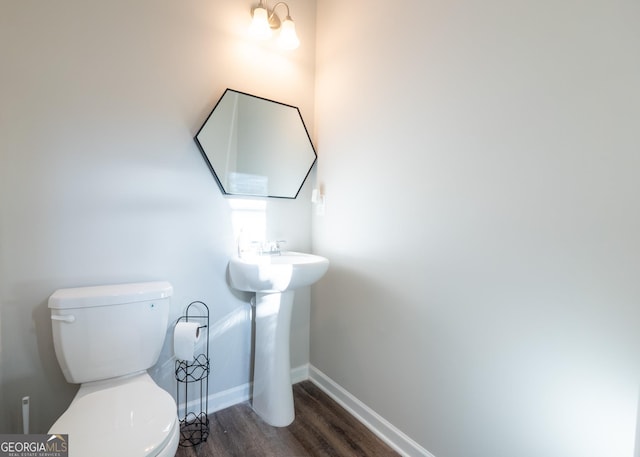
(271, 247)
(253, 248)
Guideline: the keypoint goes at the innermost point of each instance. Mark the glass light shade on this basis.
(288, 38)
(260, 28)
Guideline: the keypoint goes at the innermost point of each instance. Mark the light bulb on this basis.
(260, 28)
(288, 38)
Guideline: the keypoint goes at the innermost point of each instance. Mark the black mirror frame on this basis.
(213, 171)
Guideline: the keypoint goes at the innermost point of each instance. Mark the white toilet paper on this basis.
(185, 337)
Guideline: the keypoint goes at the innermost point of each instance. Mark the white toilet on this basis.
(105, 339)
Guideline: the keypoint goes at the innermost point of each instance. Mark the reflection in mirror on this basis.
(256, 147)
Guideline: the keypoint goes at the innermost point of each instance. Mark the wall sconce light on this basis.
(265, 20)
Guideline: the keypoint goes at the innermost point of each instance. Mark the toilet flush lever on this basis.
(68, 318)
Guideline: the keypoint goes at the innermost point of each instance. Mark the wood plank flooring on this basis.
(322, 428)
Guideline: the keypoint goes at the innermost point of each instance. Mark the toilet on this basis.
(105, 339)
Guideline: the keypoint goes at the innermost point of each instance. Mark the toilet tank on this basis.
(104, 332)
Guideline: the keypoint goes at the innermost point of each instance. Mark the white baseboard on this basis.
(219, 400)
(229, 397)
(299, 374)
(241, 393)
(372, 420)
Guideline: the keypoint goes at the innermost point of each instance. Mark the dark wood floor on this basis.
(321, 428)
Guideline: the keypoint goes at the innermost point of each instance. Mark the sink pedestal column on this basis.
(272, 392)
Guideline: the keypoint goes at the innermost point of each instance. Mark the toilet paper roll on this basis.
(185, 337)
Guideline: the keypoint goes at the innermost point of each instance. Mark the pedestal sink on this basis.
(274, 279)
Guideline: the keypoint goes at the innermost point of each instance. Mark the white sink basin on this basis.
(274, 280)
(276, 273)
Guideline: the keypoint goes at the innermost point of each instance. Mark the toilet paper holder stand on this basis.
(194, 377)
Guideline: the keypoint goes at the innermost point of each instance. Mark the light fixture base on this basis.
(274, 20)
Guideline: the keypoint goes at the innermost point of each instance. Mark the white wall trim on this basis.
(223, 399)
(372, 420)
(386, 431)
(238, 394)
(299, 374)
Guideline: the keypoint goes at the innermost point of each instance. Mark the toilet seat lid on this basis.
(130, 416)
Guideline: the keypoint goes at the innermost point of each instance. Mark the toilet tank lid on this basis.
(117, 294)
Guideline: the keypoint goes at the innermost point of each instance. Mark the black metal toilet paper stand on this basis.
(194, 425)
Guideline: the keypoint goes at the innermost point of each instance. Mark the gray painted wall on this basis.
(480, 163)
(101, 181)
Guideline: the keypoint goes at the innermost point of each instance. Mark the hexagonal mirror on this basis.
(256, 147)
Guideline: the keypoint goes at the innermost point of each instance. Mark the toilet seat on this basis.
(129, 416)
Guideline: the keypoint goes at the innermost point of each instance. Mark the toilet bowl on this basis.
(105, 339)
(129, 416)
